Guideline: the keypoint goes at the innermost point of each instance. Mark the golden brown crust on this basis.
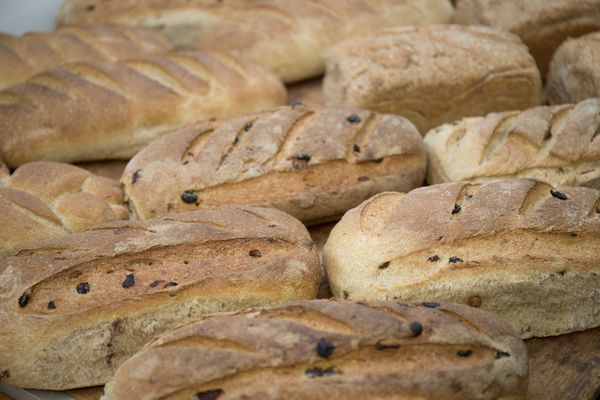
(559, 145)
(421, 73)
(32, 53)
(542, 24)
(574, 73)
(100, 295)
(125, 104)
(520, 248)
(312, 162)
(287, 36)
(378, 352)
(41, 200)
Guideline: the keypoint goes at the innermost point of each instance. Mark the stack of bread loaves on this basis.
(173, 261)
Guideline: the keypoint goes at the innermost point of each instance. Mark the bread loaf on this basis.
(288, 36)
(42, 200)
(331, 350)
(542, 24)
(311, 162)
(575, 70)
(72, 309)
(558, 144)
(520, 248)
(433, 74)
(97, 110)
(32, 53)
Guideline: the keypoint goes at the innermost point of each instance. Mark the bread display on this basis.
(331, 350)
(32, 53)
(522, 249)
(288, 36)
(72, 309)
(558, 144)
(542, 24)
(98, 110)
(433, 74)
(574, 73)
(42, 200)
(311, 162)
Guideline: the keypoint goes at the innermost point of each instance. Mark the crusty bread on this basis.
(574, 73)
(73, 308)
(433, 74)
(307, 92)
(112, 169)
(42, 200)
(311, 162)
(331, 350)
(559, 145)
(519, 248)
(32, 53)
(99, 110)
(542, 24)
(288, 36)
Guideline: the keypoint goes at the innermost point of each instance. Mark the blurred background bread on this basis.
(72, 309)
(557, 144)
(310, 161)
(432, 74)
(331, 350)
(522, 249)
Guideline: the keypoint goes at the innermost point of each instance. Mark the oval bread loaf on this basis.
(312, 162)
(433, 74)
(559, 145)
(73, 308)
(99, 110)
(542, 24)
(331, 350)
(520, 248)
(32, 53)
(288, 36)
(575, 70)
(41, 200)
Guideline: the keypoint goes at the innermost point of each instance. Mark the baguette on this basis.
(288, 36)
(42, 200)
(542, 24)
(32, 53)
(72, 309)
(574, 73)
(331, 350)
(520, 248)
(433, 74)
(559, 145)
(97, 110)
(311, 162)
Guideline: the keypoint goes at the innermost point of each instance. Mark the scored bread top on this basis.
(46, 199)
(29, 54)
(331, 349)
(559, 144)
(215, 155)
(432, 74)
(125, 104)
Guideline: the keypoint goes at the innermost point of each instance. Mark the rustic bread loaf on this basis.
(311, 162)
(542, 24)
(73, 308)
(288, 36)
(519, 248)
(98, 110)
(331, 350)
(42, 200)
(558, 144)
(574, 73)
(432, 74)
(32, 53)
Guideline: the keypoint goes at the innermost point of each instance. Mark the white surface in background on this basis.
(20, 16)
